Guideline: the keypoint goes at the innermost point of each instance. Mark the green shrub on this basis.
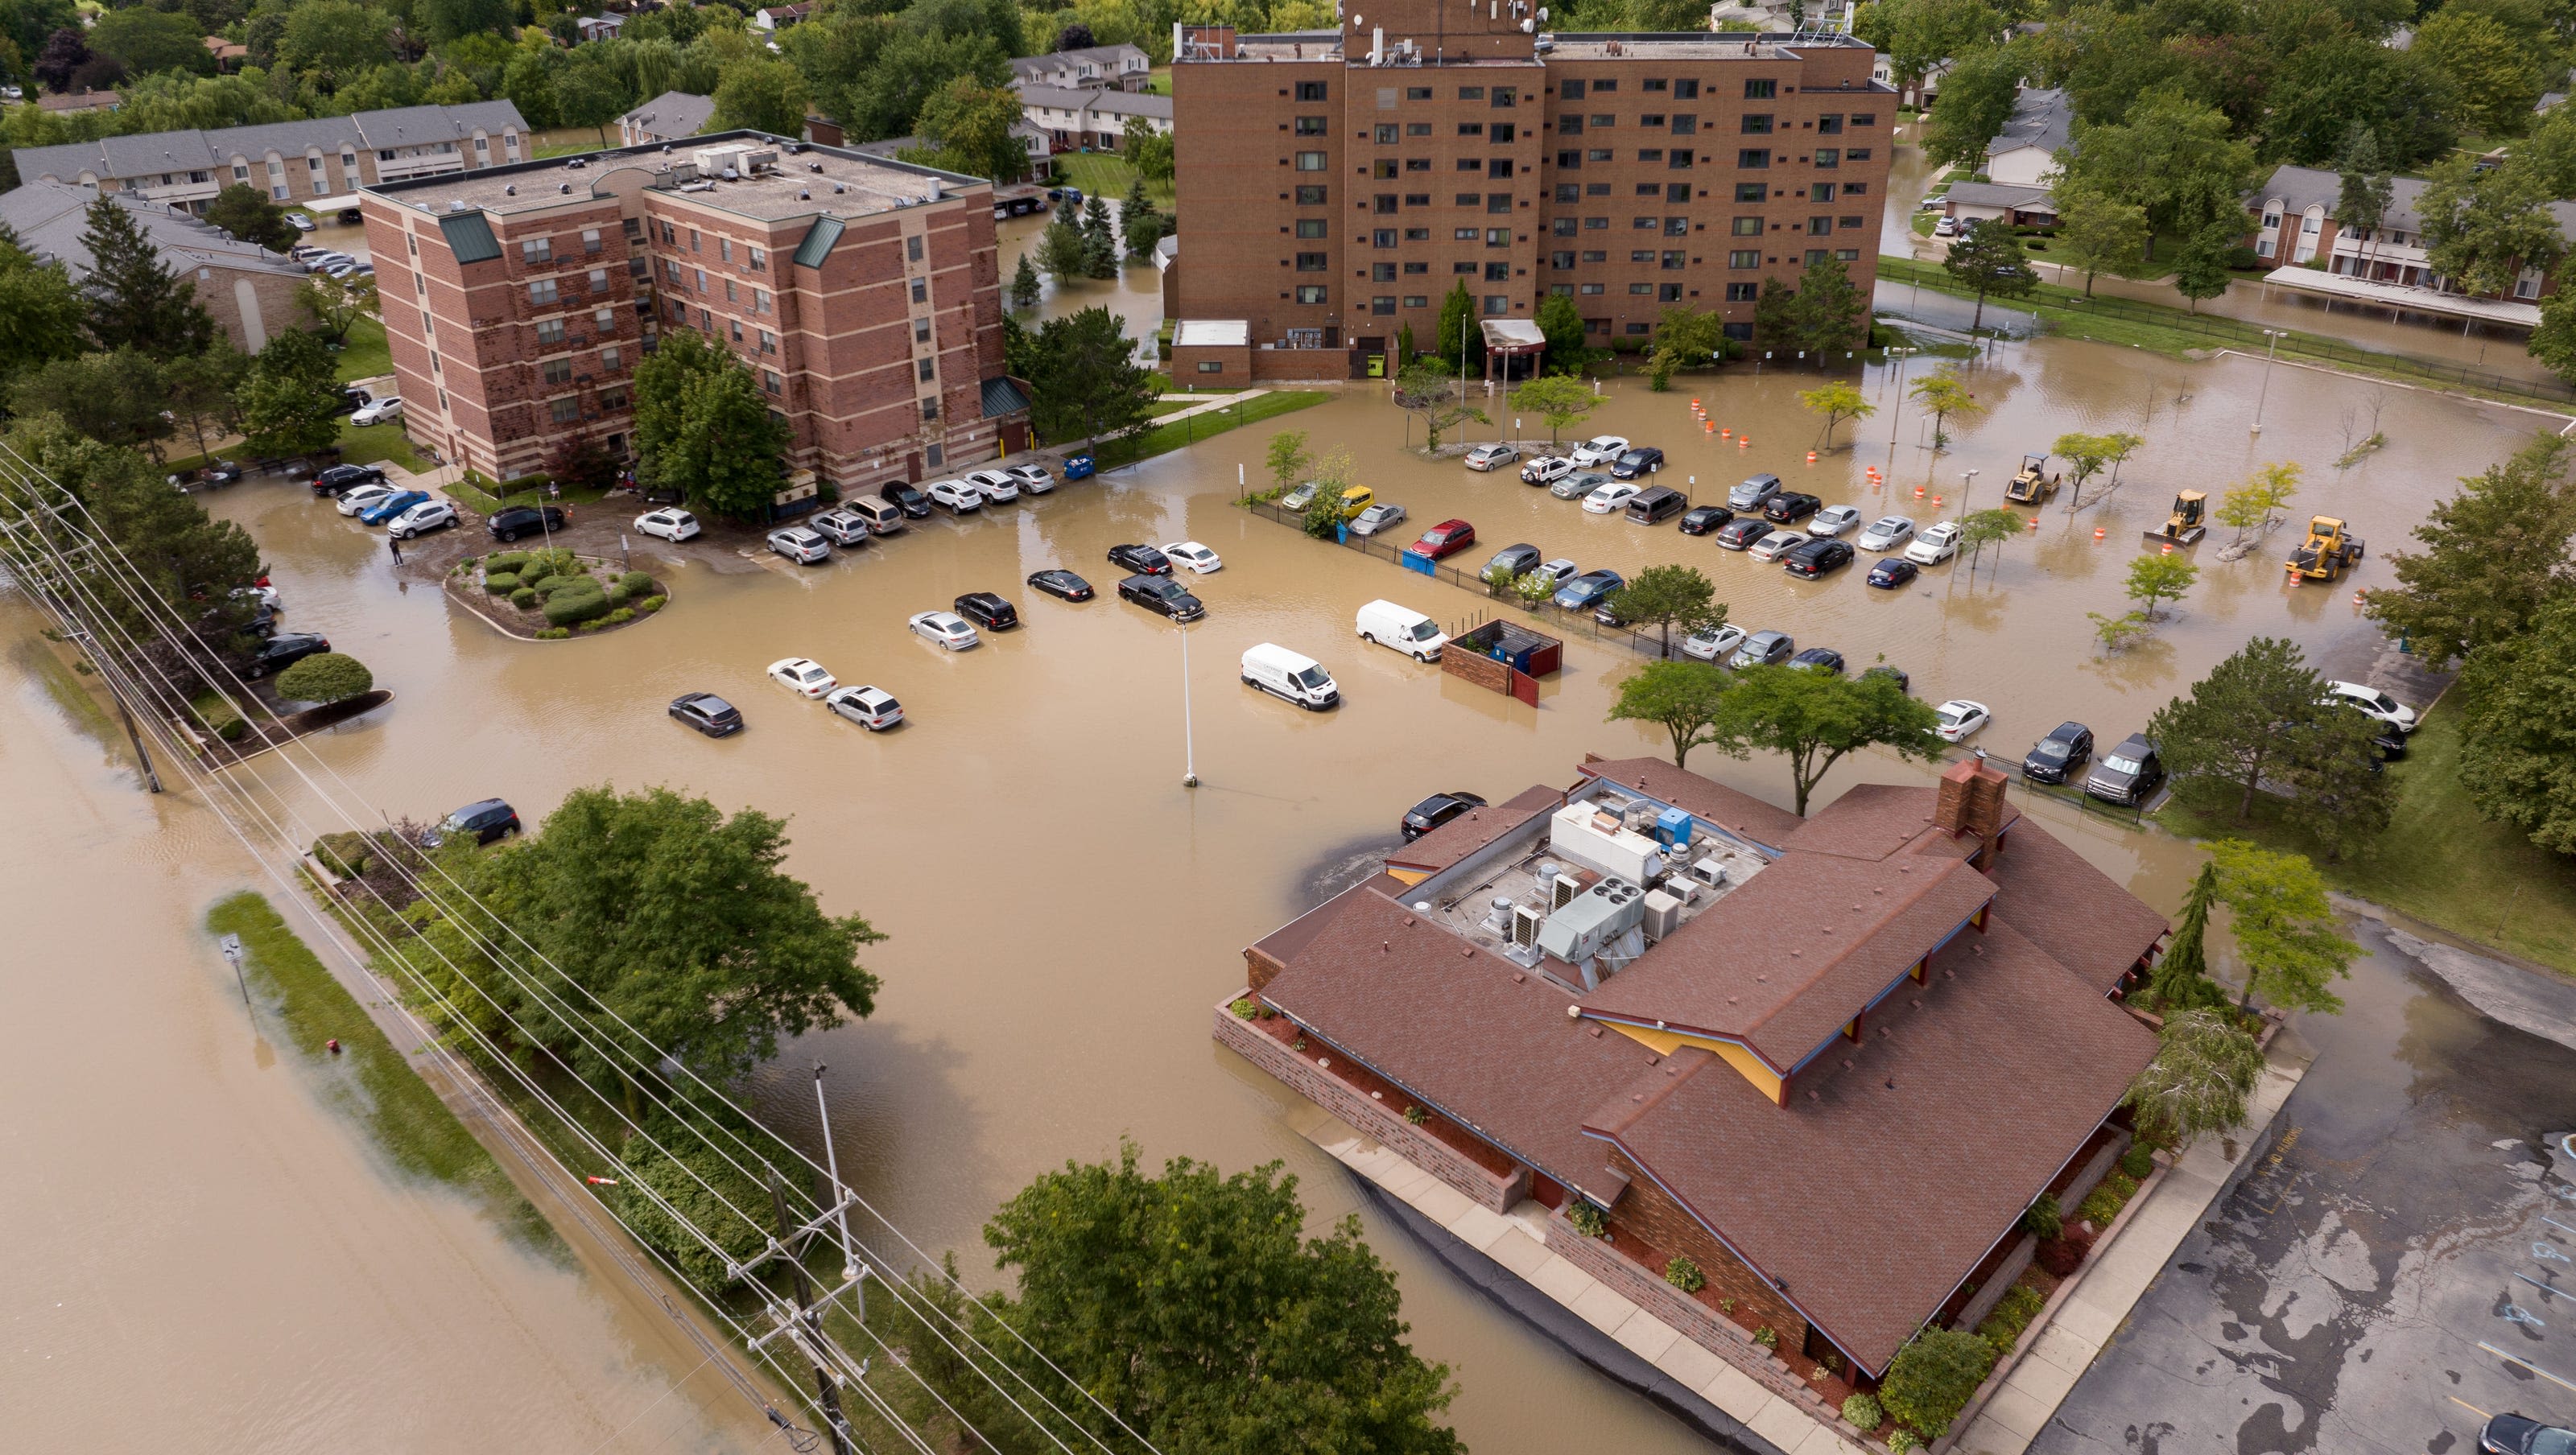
(2138, 1162)
(2043, 1219)
(1931, 1379)
(620, 617)
(548, 586)
(616, 594)
(500, 583)
(553, 633)
(1861, 1412)
(217, 714)
(344, 854)
(651, 604)
(525, 598)
(592, 626)
(1767, 1336)
(1902, 1440)
(325, 677)
(506, 561)
(1415, 1115)
(565, 608)
(1242, 1008)
(1587, 1219)
(2106, 1200)
(1683, 1274)
(2013, 1312)
(636, 582)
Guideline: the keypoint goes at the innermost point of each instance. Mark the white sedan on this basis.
(1775, 545)
(1035, 479)
(1833, 520)
(960, 497)
(378, 411)
(946, 628)
(1377, 518)
(1000, 486)
(1193, 555)
(366, 497)
(1607, 499)
(1938, 542)
(802, 675)
(1600, 449)
(1887, 533)
(1959, 717)
(671, 525)
(1713, 643)
(1491, 457)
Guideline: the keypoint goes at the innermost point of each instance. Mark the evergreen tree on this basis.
(1061, 250)
(1828, 315)
(1460, 343)
(134, 298)
(291, 402)
(2180, 981)
(1139, 225)
(1024, 285)
(1099, 241)
(1085, 380)
(1562, 324)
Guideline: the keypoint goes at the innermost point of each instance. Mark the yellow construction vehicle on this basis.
(2327, 553)
(2183, 527)
(2034, 485)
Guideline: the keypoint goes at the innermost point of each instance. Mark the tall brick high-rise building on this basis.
(1334, 185)
(862, 293)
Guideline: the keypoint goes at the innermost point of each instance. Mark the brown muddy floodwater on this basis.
(1063, 913)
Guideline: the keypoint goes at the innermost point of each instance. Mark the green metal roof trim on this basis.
(818, 242)
(469, 237)
(1002, 397)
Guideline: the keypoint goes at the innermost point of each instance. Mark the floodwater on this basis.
(1135, 295)
(1063, 913)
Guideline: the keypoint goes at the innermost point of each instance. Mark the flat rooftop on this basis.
(809, 180)
(1329, 45)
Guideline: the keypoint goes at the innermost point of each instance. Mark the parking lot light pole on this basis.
(2275, 335)
(1967, 480)
(1189, 741)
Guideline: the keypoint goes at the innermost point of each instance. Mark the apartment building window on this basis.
(693, 240)
(1829, 126)
(1641, 255)
(1848, 255)
(612, 399)
(724, 248)
(1752, 159)
(590, 240)
(1469, 164)
(1471, 128)
(541, 293)
(1416, 234)
(1417, 128)
(425, 324)
(1600, 122)
(1744, 258)
(1383, 305)
(929, 411)
(1417, 199)
(1828, 158)
(1384, 204)
(1498, 168)
(1760, 90)
(1819, 226)
(1310, 90)
(668, 237)
(671, 272)
(1745, 227)
(1562, 226)
(1414, 269)
(1686, 89)
(1310, 126)
(768, 342)
(1651, 154)
(1383, 237)
(1502, 133)
(1310, 293)
(1820, 192)
(1417, 300)
(1569, 160)
(1854, 189)
(1863, 120)
(1743, 292)
(926, 369)
(1498, 237)
(565, 410)
(769, 380)
(1471, 199)
(558, 371)
(1815, 256)
(701, 277)
(1569, 192)
(1857, 154)
(1649, 189)
(1668, 293)
(1496, 305)
(1310, 227)
(733, 329)
(920, 290)
(1676, 227)
(605, 320)
(1847, 221)
(1314, 262)
(611, 359)
(912, 248)
(1464, 234)
(1310, 161)
(1505, 96)
(1589, 290)
(1676, 259)
(760, 300)
(1561, 259)
(1498, 272)
(241, 174)
(1596, 255)
(599, 280)
(1381, 272)
(921, 330)
(1471, 93)
(1498, 202)
(1386, 133)
(759, 262)
(1570, 89)
(1383, 169)
(1651, 119)
(1464, 270)
(1569, 125)
(1417, 93)
(1604, 88)
(537, 250)
(1596, 224)
(1685, 126)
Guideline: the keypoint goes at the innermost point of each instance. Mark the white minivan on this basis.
(1283, 673)
(1403, 628)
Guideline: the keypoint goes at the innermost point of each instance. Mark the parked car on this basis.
(1589, 590)
(1819, 659)
(2374, 704)
(1896, 675)
(1891, 573)
(220, 474)
(389, 506)
(1609, 498)
(1282, 673)
(1777, 544)
(881, 517)
(378, 411)
(1035, 479)
(1520, 558)
(1143, 560)
(802, 675)
(1386, 624)
(872, 708)
(842, 527)
(1790, 506)
(987, 609)
(1959, 717)
(1700, 520)
(1764, 649)
(1546, 470)
(282, 651)
(1163, 596)
(1656, 504)
(1946, 227)
(1936, 543)
(1434, 811)
(1637, 463)
(944, 627)
(707, 713)
(359, 499)
(421, 519)
(486, 822)
(1754, 492)
(1887, 533)
(1061, 584)
(1079, 467)
(1491, 457)
(1600, 450)
(2128, 774)
(1377, 518)
(1713, 643)
(301, 222)
(956, 497)
(1577, 485)
(519, 520)
(1000, 487)
(2511, 1434)
(800, 545)
(1446, 539)
(2055, 758)
(340, 479)
(907, 498)
(672, 524)
(1198, 558)
(1301, 498)
(1743, 532)
(1819, 556)
(1558, 571)
(1833, 520)
(351, 400)
(1357, 498)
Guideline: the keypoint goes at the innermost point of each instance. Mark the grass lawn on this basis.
(1159, 82)
(366, 354)
(1924, 222)
(1099, 174)
(1163, 438)
(486, 502)
(2439, 862)
(564, 141)
(370, 1079)
(366, 444)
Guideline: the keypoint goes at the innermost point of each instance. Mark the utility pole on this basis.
(832, 1165)
(2275, 335)
(151, 778)
(827, 1393)
(1189, 739)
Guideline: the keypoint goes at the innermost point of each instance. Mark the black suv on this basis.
(1790, 505)
(910, 501)
(341, 479)
(1144, 560)
(2128, 775)
(707, 713)
(283, 651)
(1436, 810)
(490, 819)
(1521, 557)
(1817, 557)
(1641, 461)
(1699, 520)
(519, 520)
(2053, 759)
(1163, 596)
(986, 609)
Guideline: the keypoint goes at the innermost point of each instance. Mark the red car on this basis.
(1447, 538)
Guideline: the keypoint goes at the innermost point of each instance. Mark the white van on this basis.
(884, 517)
(1282, 673)
(1403, 628)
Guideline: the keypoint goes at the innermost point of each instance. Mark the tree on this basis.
(1562, 323)
(1815, 719)
(2365, 189)
(2496, 554)
(1977, 96)
(2320, 90)
(1426, 390)
(446, 21)
(1668, 596)
(329, 42)
(2118, 633)
(2200, 269)
(2171, 156)
(2518, 757)
(2088, 454)
(2334, 789)
(1827, 315)
(971, 123)
(1140, 227)
(2286, 931)
(2496, 76)
(40, 312)
(199, 391)
(1099, 242)
(148, 40)
(1150, 153)
(66, 53)
(1560, 399)
(1987, 258)
(1087, 381)
(761, 95)
(135, 299)
(589, 92)
(1061, 250)
(704, 429)
(325, 677)
(581, 462)
(2179, 980)
(2483, 229)
(337, 305)
(2204, 1069)
(1921, 34)
(1459, 342)
(1683, 698)
(2098, 235)
(2159, 578)
(116, 398)
(2237, 725)
(1024, 285)
(246, 213)
(1775, 317)
(1684, 338)
(1942, 394)
(1288, 458)
(2253, 504)
(178, 551)
(1931, 1378)
(1837, 402)
(1982, 528)
(290, 405)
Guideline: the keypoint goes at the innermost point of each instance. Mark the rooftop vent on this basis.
(564, 187)
(512, 190)
(804, 195)
(456, 204)
(813, 166)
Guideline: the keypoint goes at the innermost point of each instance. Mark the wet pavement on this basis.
(2393, 1269)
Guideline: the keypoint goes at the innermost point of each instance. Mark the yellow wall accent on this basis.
(1664, 1043)
(1410, 877)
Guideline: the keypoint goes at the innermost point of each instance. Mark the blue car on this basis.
(1589, 590)
(391, 506)
(1079, 467)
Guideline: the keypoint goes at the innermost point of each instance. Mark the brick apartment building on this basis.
(862, 293)
(1334, 185)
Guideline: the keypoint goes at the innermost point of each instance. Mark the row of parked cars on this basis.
(330, 264)
(857, 518)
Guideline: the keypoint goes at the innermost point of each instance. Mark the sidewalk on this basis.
(1206, 404)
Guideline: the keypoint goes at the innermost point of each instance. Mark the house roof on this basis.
(1705, 799)
(1874, 820)
(49, 218)
(2041, 118)
(1474, 831)
(181, 151)
(672, 114)
(81, 101)
(1002, 397)
(2296, 189)
(2002, 194)
(1098, 98)
(2054, 895)
(1211, 333)
(1114, 58)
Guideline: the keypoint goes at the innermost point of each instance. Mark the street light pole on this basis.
(1189, 740)
(2275, 335)
(1967, 479)
(832, 1165)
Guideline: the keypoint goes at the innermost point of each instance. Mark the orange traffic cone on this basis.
(1918, 492)
(1811, 457)
(1727, 433)
(2097, 532)
(2166, 550)
(2034, 522)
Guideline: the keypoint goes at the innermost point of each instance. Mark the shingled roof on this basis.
(1471, 832)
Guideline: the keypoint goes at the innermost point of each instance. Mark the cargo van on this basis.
(1656, 505)
(1403, 628)
(1282, 673)
(884, 517)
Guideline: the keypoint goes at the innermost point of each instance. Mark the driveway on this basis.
(2370, 1283)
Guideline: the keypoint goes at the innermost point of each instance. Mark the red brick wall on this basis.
(1485, 672)
(1234, 365)
(1299, 365)
(1646, 1210)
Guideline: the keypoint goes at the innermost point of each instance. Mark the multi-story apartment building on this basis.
(1333, 185)
(861, 292)
(295, 162)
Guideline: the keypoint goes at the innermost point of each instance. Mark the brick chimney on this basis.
(1971, 800)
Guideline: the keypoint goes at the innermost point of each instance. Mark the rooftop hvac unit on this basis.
(1596, 917)
(1499, 913)
(1526, 918)
(1563, 891)
(1663, 915)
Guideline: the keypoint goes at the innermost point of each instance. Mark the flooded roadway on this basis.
(1063, 912)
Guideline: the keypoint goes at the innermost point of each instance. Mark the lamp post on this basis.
(1189, 740)
(1967, 479)
(2275, 335)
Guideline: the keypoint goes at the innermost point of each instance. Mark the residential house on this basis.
(600, 27)
(1124, 67)
(80, 101)
(1033, 145)
(2025, 152)
(2294, 225)
(229, 54)
(249, 290)
(1585, 996)
(1882, 72)
(1093, 119)
(2011, 202)
(671, 116)
(320, 163)
(775, 18)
